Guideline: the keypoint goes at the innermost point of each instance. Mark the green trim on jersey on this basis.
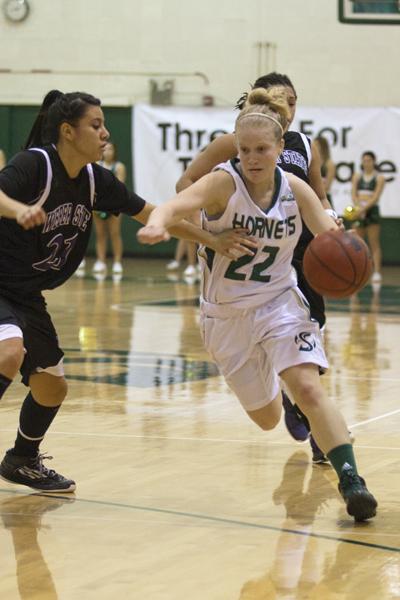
(277, 183)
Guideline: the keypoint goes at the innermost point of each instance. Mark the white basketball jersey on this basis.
(253, 280)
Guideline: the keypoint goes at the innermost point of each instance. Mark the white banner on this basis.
(165, 139)
(350, 132)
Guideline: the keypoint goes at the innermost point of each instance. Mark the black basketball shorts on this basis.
(39, 335)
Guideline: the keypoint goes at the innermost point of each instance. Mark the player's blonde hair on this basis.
(266, 107)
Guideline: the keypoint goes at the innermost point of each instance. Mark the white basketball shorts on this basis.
(253, 346)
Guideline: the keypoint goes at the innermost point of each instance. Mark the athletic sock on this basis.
(4, 383)
(34, 421)
(340, 455)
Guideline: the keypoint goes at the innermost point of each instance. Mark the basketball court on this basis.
(179, 496)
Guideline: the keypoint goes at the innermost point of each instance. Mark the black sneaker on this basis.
(318, 457)
(29, 471)
(359, 501)
(295, 422)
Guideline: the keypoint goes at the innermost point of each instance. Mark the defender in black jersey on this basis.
(55, 175)
(301, 158)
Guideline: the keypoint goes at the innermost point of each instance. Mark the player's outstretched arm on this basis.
(315, 177)
(315, 217)
(25, 215)
(220, 150)
(168, 219)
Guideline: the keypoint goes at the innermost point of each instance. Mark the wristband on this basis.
(331, 213)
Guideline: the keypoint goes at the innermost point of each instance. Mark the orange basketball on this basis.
(337, 264)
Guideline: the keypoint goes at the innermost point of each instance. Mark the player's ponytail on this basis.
(267, 107)
(35, 137)
(58, 108)
(270, 80)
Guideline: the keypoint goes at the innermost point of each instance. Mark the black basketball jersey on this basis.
(296, 156)
(44, 257)
(296, 159)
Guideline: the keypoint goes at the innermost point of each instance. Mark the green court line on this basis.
(223, 520)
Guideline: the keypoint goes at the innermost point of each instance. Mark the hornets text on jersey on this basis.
(253, 280)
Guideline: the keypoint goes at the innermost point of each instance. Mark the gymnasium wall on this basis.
(331, 63)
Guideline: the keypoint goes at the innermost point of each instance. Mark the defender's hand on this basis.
(234, 243)
(30, 216)
(152, 234)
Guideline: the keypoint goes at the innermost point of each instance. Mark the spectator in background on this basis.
(2, 159)
(188, 249)
(107, 224)
(328, 169)
(367, 188)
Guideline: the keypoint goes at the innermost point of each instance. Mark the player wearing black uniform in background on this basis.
(301, 158)
(56, 172)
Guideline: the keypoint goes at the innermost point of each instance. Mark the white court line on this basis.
(290, 442)
(354, 378)
(389, 414)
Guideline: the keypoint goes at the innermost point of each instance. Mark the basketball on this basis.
(337, 264)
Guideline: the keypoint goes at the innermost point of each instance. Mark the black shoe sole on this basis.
(361, 507)
(65, 490)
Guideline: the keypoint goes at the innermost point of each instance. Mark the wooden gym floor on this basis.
(180, 496)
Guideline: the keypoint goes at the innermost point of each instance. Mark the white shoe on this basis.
(99, 266)
(376, 277)
(117, 268)
(189, 271)
(100, 276)
(173, 265)
(80, 272)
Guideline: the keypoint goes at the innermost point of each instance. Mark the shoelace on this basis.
(37, 463)
(350, 477)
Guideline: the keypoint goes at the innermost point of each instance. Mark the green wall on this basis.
(15, 124)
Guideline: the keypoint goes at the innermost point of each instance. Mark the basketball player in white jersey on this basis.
(255, 321)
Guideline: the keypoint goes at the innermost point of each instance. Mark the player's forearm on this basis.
(183, 183)
(319, 221)
(325, 203)
(192, 233)
(9, 208)
(163, 216)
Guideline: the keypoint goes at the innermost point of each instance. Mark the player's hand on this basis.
(152, 234)
(234, 243)
(340, 223)
(30, 216)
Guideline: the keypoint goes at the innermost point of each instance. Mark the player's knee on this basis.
(60, 389)
(269, 423)
(266, 418)
(309, 395)
(11, 357)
